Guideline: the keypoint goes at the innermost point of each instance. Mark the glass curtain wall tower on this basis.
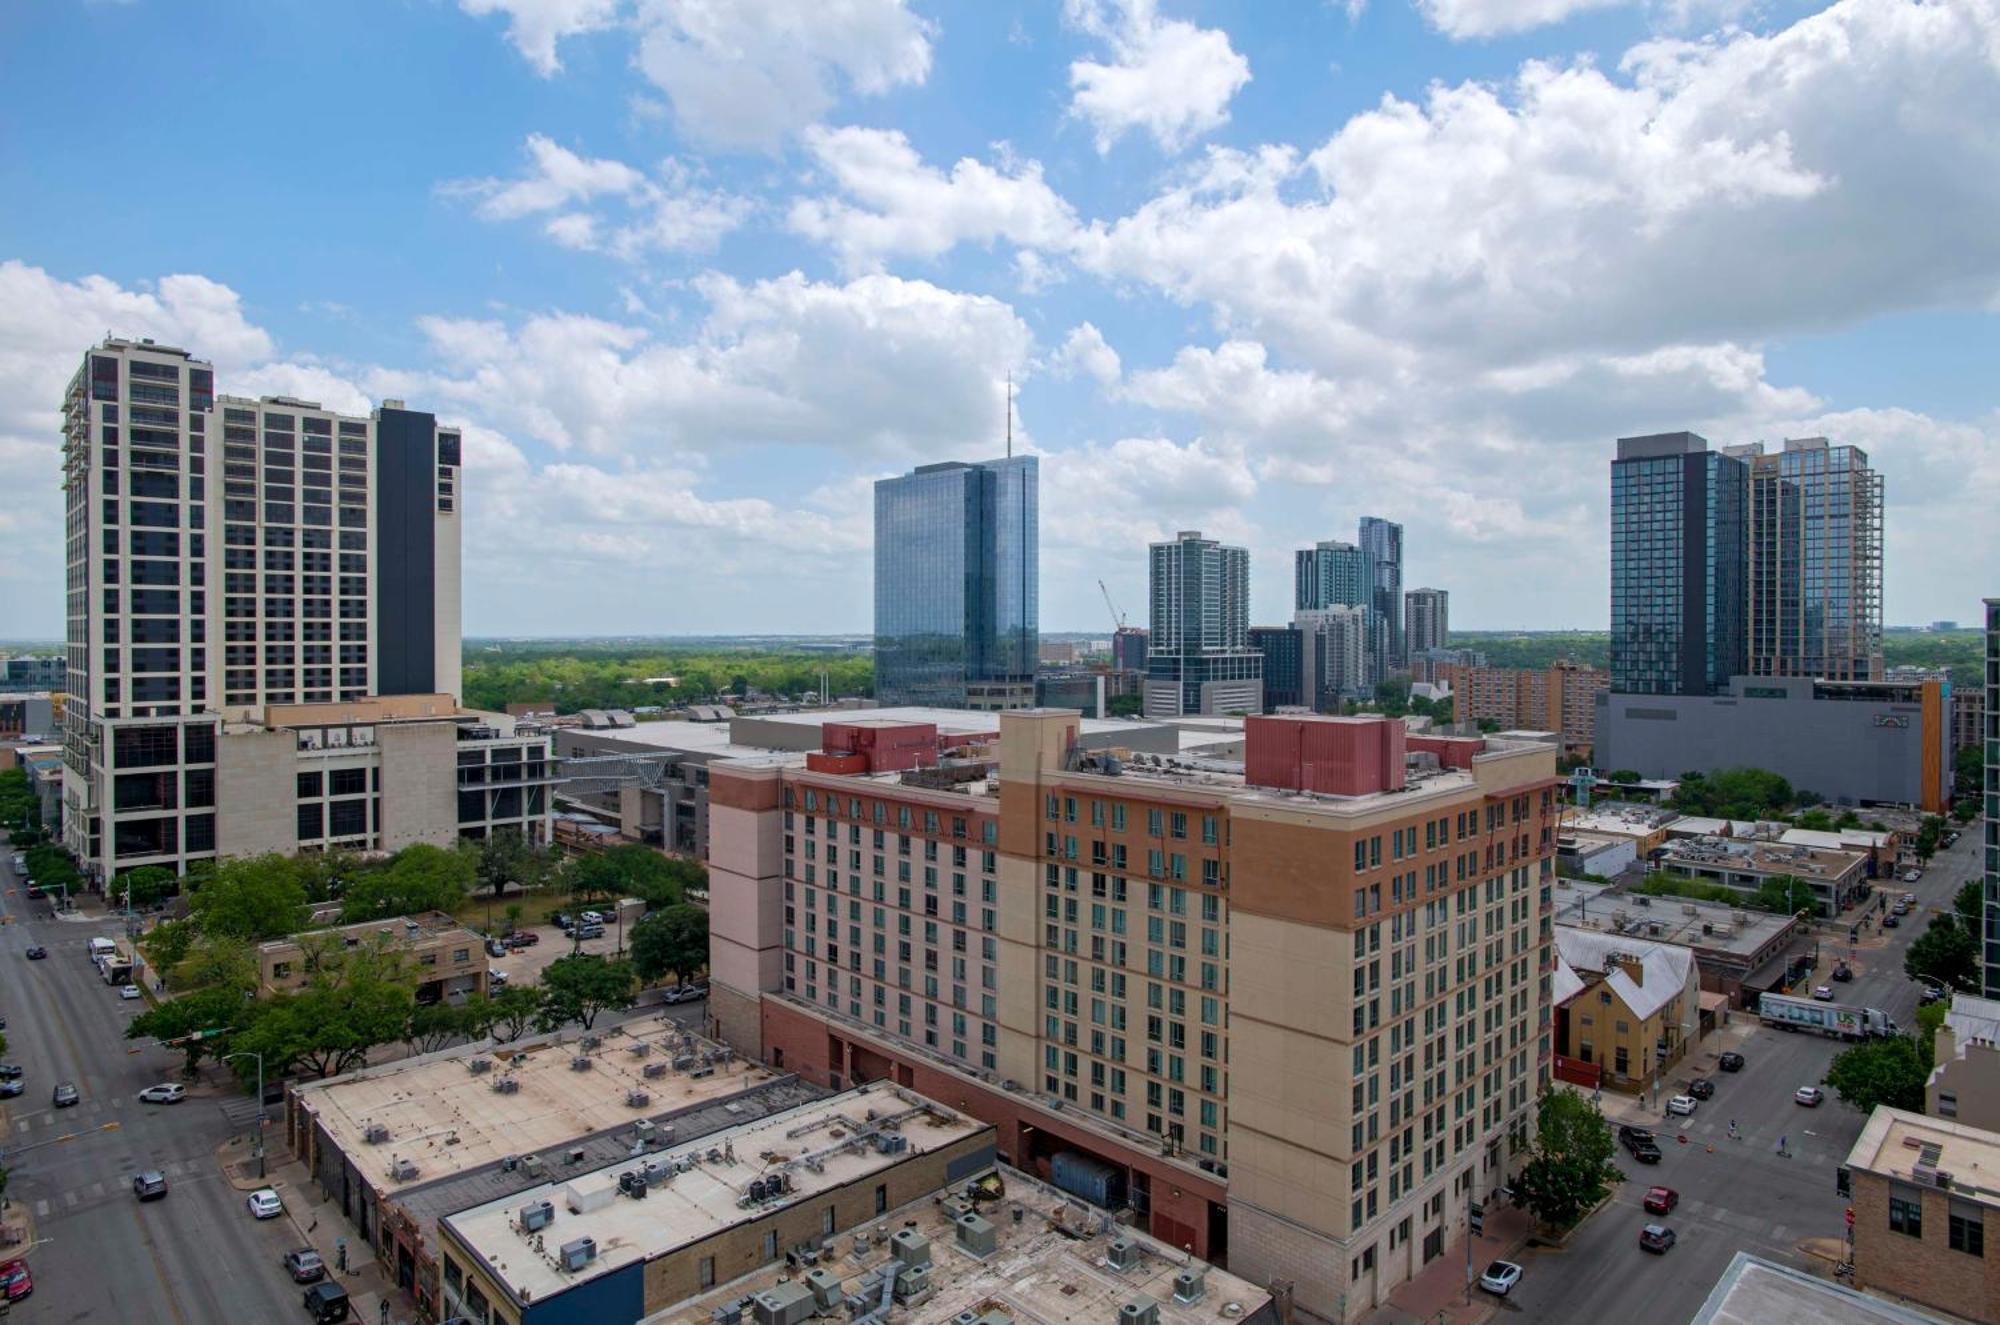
(1678, 566)
(1199, 658)
(1382, 547)
(957, 587)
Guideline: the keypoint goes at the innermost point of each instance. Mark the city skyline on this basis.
(686, 319)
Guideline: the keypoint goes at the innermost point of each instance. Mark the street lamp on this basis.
(257, 1148)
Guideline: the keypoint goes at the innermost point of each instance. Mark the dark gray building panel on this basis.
(405, 552)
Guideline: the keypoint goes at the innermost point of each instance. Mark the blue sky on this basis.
(694, 273)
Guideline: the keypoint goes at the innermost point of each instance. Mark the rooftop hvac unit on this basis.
(1122, 1253)
(637, 1099)
(575, 1155)
(532, 1165)
(913, 1285)
(976, 1235)
(729, 1313)
(508, 1163)
(402, 1170)
(505, 1086)
(786, 1303)
(702, 1073)
(1139, 1311)
(825, 1288)
(658, 1172)
(537, 1215)
(891, 1143)
(910, 1247)
(632, 1182)
(479, 1066)
(643, 1129)
(580, 1063)
(1189, 1285)
(654, 1071)
(682, 1062)
(582, 1251)
(953, 1207)
(375, 1134)
(640, 1050)
(591, 1041)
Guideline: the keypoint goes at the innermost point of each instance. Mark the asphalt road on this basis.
(194, 1258)
(1736, 1194)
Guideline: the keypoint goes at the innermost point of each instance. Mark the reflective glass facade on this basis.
(1678, 566)
(1382, 546)
(957, 588)
(1990, 808)
(1815, 562)
(1329, 575)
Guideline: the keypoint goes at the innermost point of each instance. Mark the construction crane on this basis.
(1117, 617)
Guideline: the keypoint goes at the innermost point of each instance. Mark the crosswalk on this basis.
(180, 1171)
(89, 1114)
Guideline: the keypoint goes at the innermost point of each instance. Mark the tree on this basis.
(1945, 952)
(168, 943)
(671, 941)
(1571, 1168)
(1890, 1071)
(634, 871)
(504, 857)
(1817, 821)
(1734, 793)
(216, 962)
(251, 900)
(144, 886)
(579, 987)
(1968, 905)
(1784, 894)
(511, 1011)
(1624, 777)
(433, 1026)
(1968, 769)
(419, 878)
(1929, 834)
(1125, 706)
(217, 1009)
(327, 1029)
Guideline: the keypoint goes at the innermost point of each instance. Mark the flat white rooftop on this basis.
(702, 1199)
(1049, 1267)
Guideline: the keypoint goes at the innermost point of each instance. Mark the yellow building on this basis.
(1626, 1007)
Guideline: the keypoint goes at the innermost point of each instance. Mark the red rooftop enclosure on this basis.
(1452, 751)
(1336, 755)
(889, 747)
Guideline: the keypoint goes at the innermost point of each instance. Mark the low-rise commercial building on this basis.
(1965, 1084)
(617, 1244)
(1560, 698)
(1645, 826)
(1605, 855)
(24, 716)
(1754, 1291)
(1852, 742)
(400, 1146)
(447, 960)
(1739, 954)
(1832, 880)
(1923, 1191)
(31, 673)
(1626, 1008)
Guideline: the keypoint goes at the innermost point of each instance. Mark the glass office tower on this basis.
(1329, 574)
(1815, 561)
(1678, 566)
(1989, 948)
(1382, 548)
(957, 588)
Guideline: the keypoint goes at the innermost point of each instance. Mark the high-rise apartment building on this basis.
(1678, 566)
(1814, 540)
(1330, 574)
(1306, 1002)
(957, 585)
(1559, 698)
(1284, 665)
(1128, 649)
(1338, 658)
(317, 563)
(1990, 811)
(1426, 621)
(1199, 658)
(1382, 549)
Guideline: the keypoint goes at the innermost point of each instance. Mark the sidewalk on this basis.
(1437, 1296)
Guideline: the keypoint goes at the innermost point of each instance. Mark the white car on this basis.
(1681, 1104)
(128, 992)
(1824, 993)
(167, 1092)
(264, 1203)
(592, 917)
(1500, 1278)
(1911, 876)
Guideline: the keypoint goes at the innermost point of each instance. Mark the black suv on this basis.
(1730, 1062)
(1701, 1088)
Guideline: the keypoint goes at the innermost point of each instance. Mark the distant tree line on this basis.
(574, 676)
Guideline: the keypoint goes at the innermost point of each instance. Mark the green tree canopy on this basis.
(146, 885)
(417, 879)
(1785, 894)
(580, 987)
(434, 1026)
(1945, 952)
(1734, 793)
(634, 871)
(1890, 1070)
(250, 899)
(326, 1029)
(1968, 904)
(1571, 1168)
(511, 1011)
(1624, 777)
(216, 1009)
(671, 941)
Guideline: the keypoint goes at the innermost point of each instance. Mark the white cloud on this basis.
(879, 366)
(1725, 190)
(745, 74)
(536, 27)
(1085, 352)
(1114, 498)
(900, 206)
(668, 212)
(1166, 76)
(1491, 18)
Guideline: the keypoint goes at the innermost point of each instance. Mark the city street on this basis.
(1735, 1194)
(193, 1258)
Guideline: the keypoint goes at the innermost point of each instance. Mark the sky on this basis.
(693, 274)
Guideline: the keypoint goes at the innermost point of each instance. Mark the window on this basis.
(1906, 1210)
(1947, 1104)
(881, 1198)
(1968, 1228)
(708, 1272)
(771, 1245)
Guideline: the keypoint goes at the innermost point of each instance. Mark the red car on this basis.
(522, 938)
(15, 1281)
(1660, 1200)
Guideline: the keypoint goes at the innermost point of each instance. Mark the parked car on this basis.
(65, 1095)
(1629, 1135)
(150, 1185)
(588, 931)
(1911, 876)
(1730, 1062)
(1890, 922)
(129, 992)
(264, 1203)
(1661, 1200)
(305, 1266)
(36, 952)
(1644, 1152)
(1932, 993)
(562, 920)
(593, 917)
(1500, 1278)
(1810, 1096)
(15, 1281)
(12, 1087)
(326, 1303)
(1701, 1088)
(523, 938)
(496, 978)
(1681, 1105)
(496, 948)
(1656, 1238)
(167, 1092)
(1824, 993)
(686, 993)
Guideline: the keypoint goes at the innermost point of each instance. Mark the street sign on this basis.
(1476, 1216)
